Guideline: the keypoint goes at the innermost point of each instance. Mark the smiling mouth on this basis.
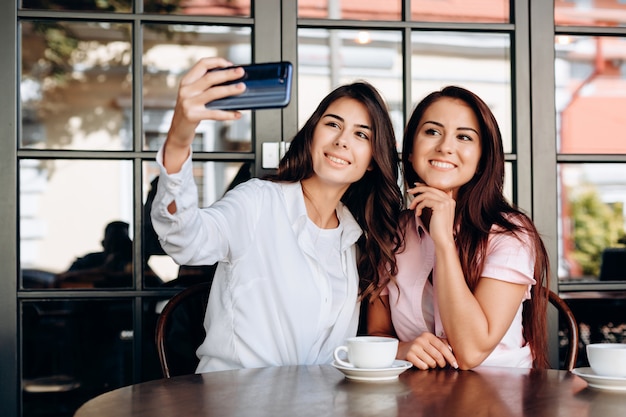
(337, 160)
(439, 164)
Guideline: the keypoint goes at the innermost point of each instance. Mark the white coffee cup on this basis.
(368, 352)
(607, 359)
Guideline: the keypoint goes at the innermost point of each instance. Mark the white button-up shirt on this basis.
(271, 296)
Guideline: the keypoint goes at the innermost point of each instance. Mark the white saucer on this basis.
(608, 383)
(381, 374)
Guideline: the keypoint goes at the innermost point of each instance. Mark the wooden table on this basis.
(323, 391)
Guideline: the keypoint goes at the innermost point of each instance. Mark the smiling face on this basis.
(341, 149)
(447, 145)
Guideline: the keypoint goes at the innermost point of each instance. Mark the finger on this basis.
(446, 351)
(418, 362)
(203, 66)
(221, 91)
(450, 358)
(218, 76)
(419, 203)
(436, 356)
(424, 355)
(224, 114)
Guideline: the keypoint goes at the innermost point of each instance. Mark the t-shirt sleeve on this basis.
(510, 258)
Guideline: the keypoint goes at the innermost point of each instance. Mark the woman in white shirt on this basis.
(290, 248)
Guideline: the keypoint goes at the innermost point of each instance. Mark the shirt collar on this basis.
(296, 210)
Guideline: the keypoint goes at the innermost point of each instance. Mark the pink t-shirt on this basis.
(413, 303)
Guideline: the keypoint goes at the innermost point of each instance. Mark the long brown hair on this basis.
(375, 200)
(481, 205)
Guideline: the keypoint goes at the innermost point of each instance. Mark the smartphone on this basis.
(268, 86)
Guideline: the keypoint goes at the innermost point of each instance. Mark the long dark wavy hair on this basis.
(480, 205)
(375, 200)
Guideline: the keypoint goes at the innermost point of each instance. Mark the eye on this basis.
(333, 124)
(362, 135)
(465, 138)
(432, 132)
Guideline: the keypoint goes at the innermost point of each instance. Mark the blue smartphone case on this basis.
(268, 86)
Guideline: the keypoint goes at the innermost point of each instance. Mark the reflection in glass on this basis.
(590, 79)
(199, 7)
(213, 180)
(329, 58)
(350, 9)
(73, 350)
(79, 5)
(592, 229)
(65, 207)
(74, 78)
(481, 11)
(475, 11)
(589, 13)
(169, 52)
(485, 60)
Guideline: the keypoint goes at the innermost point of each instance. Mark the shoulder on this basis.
(255, 188)
(256, 184)
(523, 228)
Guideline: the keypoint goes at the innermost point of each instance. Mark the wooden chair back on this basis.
(180, 330)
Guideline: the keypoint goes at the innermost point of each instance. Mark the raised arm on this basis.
(198, 87)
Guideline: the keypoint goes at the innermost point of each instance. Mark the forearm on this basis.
(464, 321)
(174, 155)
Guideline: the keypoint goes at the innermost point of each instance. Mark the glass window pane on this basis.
(79, 5)
(65, 207)
(590, 96)
(485, 60)
(213, 180)
(169, 52)
(592, 227)
(590, 13)
(80, 347)
(350, 9)
(329, 58)
(75, 78)
(199, 7)
(475, 11)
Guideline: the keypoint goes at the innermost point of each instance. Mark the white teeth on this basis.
(337, 160)
(440, 164)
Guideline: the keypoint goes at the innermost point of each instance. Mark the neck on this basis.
(321, 205)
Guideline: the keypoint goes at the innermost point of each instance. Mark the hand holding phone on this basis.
(268, 86)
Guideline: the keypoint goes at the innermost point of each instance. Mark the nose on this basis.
(341, 140)
(446, 143)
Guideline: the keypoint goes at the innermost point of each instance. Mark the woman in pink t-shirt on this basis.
(466, 288)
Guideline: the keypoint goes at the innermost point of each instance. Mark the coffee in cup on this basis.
(367, 352)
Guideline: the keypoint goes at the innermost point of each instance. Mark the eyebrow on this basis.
(460, 128)
(341, 119)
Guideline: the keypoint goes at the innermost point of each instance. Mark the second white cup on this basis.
(368, 352)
